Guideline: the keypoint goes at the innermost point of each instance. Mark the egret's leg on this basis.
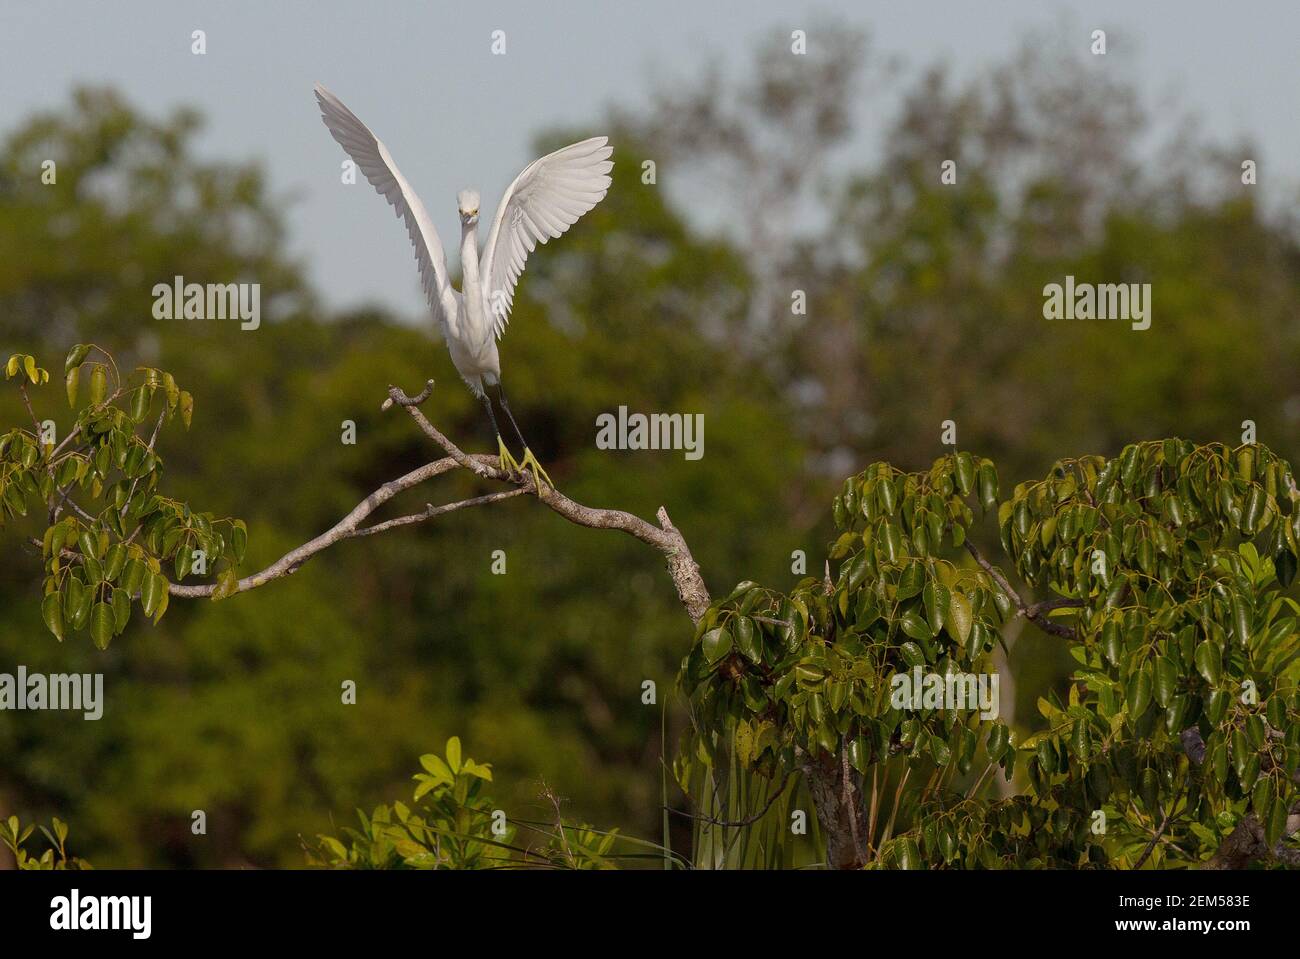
(529, 460)
(508, 462)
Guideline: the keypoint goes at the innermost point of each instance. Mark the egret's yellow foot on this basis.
(508, 462)
(539, 475)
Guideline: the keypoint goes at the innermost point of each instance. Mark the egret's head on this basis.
(467, 203)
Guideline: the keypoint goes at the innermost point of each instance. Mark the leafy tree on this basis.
(1179, 740)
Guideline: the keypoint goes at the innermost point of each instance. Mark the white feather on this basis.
(376, 163)
(542, 203)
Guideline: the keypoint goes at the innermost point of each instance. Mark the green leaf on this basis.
(52, 613)
(184, 557)
(748, 639)
(1146, 556)
(102, 625)
(1284, 563)
(940, 750)
(73, 588)
(114, 562)
(936, 599)
(988, 486)
(859, 754)
(89, 543)
(1166, 680)
(959, 618)
(453, 754)
(1149, 790)
(1218, 762)
(1255, 731)
(435, 765)
(911, 581)
(1047, 756)
(1240, 619)
(1080, 739)
(885, 492)
(133, 576)
(1139, 691)
(75, 357)
(913, 625)
(1112, 643)
(98, 384)
(152, 588)
(965, 473)
(909, 854)
(121, 610)
(998, 741)
(716, 643)
(1021, 518)
(912, 654)
(70, 384)
(1276, 823)
(1255, 500)
(1209, 663)
(140, 398)
(81, 615)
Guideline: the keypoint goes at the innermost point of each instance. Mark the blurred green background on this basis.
(923, 304)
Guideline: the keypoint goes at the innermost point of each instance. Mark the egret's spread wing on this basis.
(544, 201)
(374, 160)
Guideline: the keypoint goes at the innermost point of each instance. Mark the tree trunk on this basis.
(837, 794)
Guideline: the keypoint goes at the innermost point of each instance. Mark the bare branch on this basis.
(665, 537)
(432, 512)
(415, 400)
(343, 529)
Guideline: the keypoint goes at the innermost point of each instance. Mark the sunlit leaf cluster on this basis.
(454, 824)
(112, 540)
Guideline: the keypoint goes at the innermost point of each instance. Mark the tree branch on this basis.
(1035, 613)
(1150, 847)
(665, 537)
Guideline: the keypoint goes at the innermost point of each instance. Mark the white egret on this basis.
(545, 200)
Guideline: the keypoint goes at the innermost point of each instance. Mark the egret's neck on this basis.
(469, 259)
(476, 316)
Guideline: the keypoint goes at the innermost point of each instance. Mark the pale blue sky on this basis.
(422, 76)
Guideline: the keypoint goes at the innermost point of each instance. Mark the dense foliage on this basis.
(1182, 716)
